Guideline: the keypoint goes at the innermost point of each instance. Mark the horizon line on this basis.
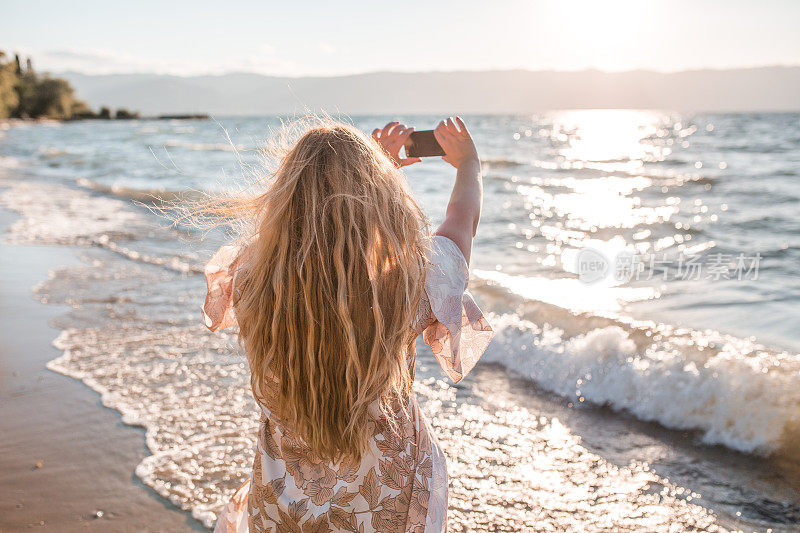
(451, 71)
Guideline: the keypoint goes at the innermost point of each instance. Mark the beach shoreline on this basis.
(525, 451)
(68, 462)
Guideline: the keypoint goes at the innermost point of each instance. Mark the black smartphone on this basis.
(423, 144)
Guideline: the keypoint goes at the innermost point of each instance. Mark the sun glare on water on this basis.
(612, 137)
(599, 187)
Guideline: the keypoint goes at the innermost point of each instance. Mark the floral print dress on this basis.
(400, 483)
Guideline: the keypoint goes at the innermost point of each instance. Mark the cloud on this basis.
(264, 59)
(81, 55)
(87, 60)
(326, 48)
(265, 48)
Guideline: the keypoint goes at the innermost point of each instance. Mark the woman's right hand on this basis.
(464, 208)
(456, 142)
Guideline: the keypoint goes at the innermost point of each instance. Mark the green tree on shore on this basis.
(9, 98)
(26, 94)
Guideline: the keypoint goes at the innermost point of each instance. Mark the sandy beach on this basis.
(65, 457)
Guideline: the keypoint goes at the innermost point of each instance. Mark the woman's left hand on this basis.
(392, 137)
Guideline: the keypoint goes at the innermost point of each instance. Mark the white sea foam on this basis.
(206, 147)
(162, 379)
(56, 214)
(8, 162)
(733, 391)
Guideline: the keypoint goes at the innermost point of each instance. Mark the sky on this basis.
(299, 38)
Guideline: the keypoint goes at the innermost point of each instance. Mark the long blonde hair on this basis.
(328, 289)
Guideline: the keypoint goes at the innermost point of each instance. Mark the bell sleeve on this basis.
(220, 274)
(460, 333)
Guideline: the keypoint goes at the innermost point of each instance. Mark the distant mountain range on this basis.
(508, 91)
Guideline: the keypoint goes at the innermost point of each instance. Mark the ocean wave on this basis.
(207, 147)
(47, 152)
(145, 196)
(56, 214)
(503, 163)
(8, 162)
(733, 391)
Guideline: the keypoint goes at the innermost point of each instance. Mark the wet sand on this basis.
(64, 457)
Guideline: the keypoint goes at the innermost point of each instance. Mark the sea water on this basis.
(662, 392)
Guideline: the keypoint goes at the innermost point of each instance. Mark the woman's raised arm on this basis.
(464, 208)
